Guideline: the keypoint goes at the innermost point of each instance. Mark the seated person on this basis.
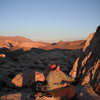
(54, 80)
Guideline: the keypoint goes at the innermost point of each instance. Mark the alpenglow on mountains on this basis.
(19, 42)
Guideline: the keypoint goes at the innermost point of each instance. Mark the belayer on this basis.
(57, 83)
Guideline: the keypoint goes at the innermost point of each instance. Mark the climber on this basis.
(55, 83)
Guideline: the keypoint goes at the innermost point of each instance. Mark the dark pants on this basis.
(69, 91)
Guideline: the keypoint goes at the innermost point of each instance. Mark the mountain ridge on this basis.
(25, 43)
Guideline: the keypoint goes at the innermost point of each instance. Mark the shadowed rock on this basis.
(87, 67)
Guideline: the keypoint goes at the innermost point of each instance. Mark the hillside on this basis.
(15, 38)
(19, 42)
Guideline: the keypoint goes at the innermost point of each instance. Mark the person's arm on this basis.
(66, 77)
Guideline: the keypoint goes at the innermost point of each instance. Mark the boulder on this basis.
(2, 55)
(27, 78)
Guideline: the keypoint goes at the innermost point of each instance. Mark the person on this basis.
(55, 85)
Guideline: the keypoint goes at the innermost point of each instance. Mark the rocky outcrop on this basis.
(39, 76)
(16, 44)
(27, 78)
(87, 67)
(18, 80)
(86, 93)
(9, 44)
(2, 55)
(74, 69)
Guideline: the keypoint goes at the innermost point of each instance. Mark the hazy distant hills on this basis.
(78, 44)
(15, 38)
(16, 42)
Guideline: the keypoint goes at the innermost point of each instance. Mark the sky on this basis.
(49, 20)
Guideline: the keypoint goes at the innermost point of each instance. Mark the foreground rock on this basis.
(86, 93)
(2, 55)
(16, 96)
(87, 68)
(27, 78)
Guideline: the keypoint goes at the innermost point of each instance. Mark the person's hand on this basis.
(64, 85)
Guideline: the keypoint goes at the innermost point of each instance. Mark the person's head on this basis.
(54, 67)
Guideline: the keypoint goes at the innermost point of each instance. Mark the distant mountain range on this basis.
(16, 38)
(17, 42)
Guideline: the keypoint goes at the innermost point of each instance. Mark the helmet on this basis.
(52, 66)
